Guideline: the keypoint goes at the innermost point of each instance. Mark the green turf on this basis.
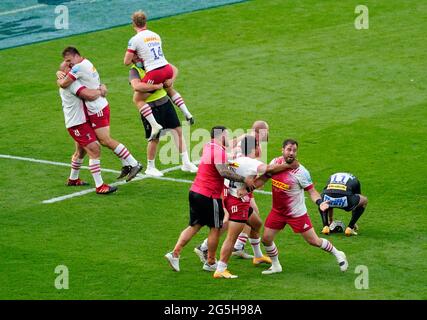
(355, 100)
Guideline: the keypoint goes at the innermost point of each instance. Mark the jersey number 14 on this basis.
(158, 54)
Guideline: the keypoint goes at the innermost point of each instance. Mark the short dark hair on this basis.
(70, 50)
(289, 141)
(249, 143)
(217, 131)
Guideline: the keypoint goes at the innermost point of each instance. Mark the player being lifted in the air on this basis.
(147, 46)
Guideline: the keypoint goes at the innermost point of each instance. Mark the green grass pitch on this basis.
(355, 100)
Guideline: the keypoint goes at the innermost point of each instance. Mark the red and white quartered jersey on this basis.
(245, 167)
(72, 105)
(288, 190)
(86, 73)
(147, 45)
(208, 181)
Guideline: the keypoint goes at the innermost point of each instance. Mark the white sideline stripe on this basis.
(22, 9)
(83, 192)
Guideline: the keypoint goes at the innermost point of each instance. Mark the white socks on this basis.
(327, 246)
(75, 168)
(179, 102)
(95, 169)
(125, 156)
(255, 243)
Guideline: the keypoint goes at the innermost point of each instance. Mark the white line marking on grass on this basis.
(22, 9)
(83, 192)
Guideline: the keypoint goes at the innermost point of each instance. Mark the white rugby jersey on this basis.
(288, 190)
(86, 73)
(72, 105)
(245, 167)
(148, 46)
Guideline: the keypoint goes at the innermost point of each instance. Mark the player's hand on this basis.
(294, 164)
(158, 86)
(168, 83)
(250, 183)
(242, 192)
(324, 206)
(60, 75)
(103, 89)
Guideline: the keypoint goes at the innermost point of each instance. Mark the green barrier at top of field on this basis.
(29, 21)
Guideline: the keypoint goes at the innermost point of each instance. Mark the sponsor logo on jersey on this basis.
(336, 202)
(233, 164)
(336, 186)
(150, 39)
(280, 185)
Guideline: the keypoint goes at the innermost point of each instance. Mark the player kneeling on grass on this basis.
(82, 132)
(239, 207)
(289, 208)
(147, 46)
(343, 192)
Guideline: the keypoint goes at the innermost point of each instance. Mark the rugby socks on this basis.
(221, 266)
(255, 243)
(327, 246)
(204, 245)
(151, 164)
(75, 168)
(125, 156)
(273, 253)
(185, 158)
(179, 102)
(95, 169)
(147, 113)
(241, 241)
(355, 215)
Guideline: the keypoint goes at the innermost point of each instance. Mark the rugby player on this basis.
(289, 208)
(239, 209)
(342, 191)
(165, 115)
(98, 110)
(205, 197)
(147, 46)
(82, 132)
(259, 131)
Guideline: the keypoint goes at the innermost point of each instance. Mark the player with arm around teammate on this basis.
(239, 208)
(82, 133)
(289, 208)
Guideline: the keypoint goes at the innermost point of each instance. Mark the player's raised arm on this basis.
(89, 94)
(277, 168)
(65, 82)
(127, 60)
(139, 86)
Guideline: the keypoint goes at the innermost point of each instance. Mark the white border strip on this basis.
(83, 192)
(22, 9)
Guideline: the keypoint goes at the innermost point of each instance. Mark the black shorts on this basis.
(165, 115)
(205, 211)
(345, 201)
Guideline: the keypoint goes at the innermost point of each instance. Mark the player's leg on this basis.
(255, 223)
(239, 246)
(103, 135)
(187, 165)
(268, 237)
(151, 159)
(234, 228)
(180, 103)
(145, 110)
(311, 237)
(185, 236)
(76, 163)
(94, 152)
(356, 214)
(202, 249)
